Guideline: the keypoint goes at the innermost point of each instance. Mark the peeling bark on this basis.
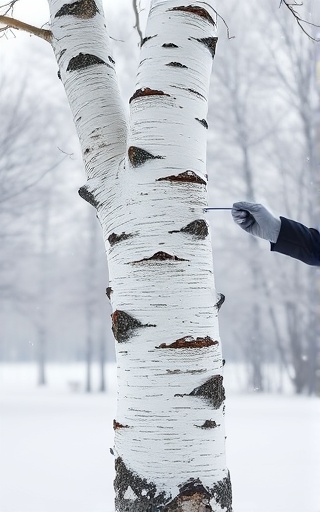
(193, 497)
(198, 11)
(146, 91)
(84, 60)
(184, 177)
(84, 9)
(190, 342)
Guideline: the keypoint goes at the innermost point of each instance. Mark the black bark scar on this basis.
(139, 156)
(84, 9)
(198, 228)
(84, 60)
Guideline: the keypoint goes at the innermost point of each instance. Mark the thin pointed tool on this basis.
(206, 209)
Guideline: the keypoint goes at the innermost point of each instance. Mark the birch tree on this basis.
(147, 180)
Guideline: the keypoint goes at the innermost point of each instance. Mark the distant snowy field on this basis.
(54, 445)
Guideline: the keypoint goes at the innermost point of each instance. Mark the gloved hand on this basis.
(257, 220)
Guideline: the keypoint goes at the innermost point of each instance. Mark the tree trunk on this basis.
(149, 196)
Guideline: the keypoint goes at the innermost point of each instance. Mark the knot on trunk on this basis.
(84, 9)
(184, 177)
(212, 390)
(84, 60)
(198, 228)
(139, 156)
(123, 325)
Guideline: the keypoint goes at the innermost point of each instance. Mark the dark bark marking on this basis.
(114, 238)
(208, 424)
(111, 59)
(212, 390)
(139, 156)
(193, 91)
(160, 256)
(111, 451)
(177, 65)
(221, 300)
(123, 325)
(88, 196)
(145, 39)
(184, 177)
(117, 425)
(109, 291)
(192, 496)
(209, 42)
(198, 228)
(150, 501)
(62, 53)
(199, 11)
(84, 60)
(222, 492)
(169, 45)
(190, 342)
(84, 9)
(146, 91)
(59, 75)
(192, 372)
(203, 122)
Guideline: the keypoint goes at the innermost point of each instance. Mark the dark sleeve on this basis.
(298, 241)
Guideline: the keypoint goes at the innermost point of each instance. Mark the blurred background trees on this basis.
(264, 122)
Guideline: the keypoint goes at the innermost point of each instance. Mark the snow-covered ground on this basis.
(54, 446)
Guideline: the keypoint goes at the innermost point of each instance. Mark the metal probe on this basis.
(206, 209)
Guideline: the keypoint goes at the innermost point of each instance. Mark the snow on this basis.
(55, 457)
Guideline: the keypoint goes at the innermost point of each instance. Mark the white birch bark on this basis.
(150, 195)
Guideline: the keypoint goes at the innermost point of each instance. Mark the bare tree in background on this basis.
(267, 117)
(25, 162)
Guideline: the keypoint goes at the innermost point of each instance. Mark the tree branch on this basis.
(19, 25)
(137, 25)
(298, 18)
